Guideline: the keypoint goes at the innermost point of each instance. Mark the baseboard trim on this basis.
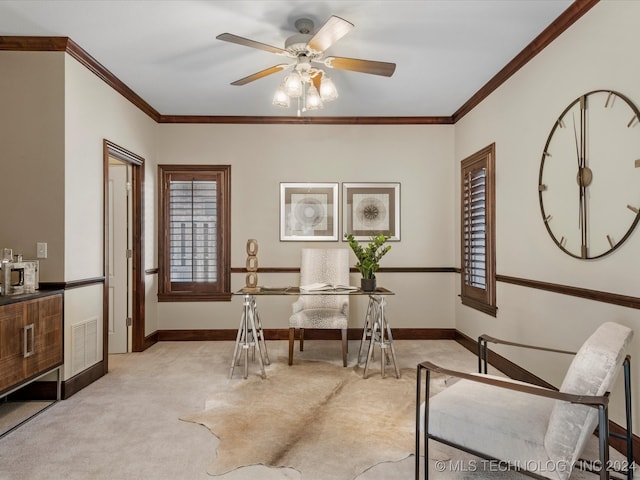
(620, 445)
(82, 379)
(309, 334)
(47, 390)
(195, 335)
(501, 363)
(518, 373)
(149, 340)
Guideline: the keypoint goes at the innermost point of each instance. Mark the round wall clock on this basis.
(589, 182)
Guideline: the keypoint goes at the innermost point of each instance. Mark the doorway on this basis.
(119, 258)
(124, 292)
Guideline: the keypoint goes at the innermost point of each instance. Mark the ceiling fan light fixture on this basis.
(280, 98)
(313, 100)
(293, 85)
(328, 91)
(306, 83)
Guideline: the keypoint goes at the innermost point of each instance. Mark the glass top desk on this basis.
(251, 336)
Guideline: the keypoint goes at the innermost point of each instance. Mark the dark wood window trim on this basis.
(477, 227)
(219, 290)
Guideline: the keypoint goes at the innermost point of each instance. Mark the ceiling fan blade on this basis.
(230, 37)
(317, 80)
(364, 66)
(333, 30)
(260, 74)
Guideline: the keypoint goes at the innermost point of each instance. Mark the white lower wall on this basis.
(151, 304)
(80, 305)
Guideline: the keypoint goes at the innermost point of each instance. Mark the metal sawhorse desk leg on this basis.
(380, 325)
(369, 320)
(368, 327)
(250, 336)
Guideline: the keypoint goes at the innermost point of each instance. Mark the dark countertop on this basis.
(9, 299)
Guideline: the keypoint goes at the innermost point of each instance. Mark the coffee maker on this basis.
(18, 276)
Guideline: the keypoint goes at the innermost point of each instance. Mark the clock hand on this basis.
(583, 221)
(575, 136)
(581, 202)
(584, 176)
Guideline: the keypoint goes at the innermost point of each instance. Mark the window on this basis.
(478, 231)
(194, 232)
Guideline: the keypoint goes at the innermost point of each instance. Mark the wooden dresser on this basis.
(31, 338)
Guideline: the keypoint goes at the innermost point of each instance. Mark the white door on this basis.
(119, 264)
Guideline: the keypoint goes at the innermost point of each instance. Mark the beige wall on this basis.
(32, 188)
(94, 112)
(420, 158)
(596, 53)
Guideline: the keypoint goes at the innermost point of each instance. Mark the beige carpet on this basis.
(126, 426)
(321, 419)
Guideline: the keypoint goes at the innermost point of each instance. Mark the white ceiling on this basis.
(167, 53)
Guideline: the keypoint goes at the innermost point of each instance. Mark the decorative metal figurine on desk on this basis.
(251, 279)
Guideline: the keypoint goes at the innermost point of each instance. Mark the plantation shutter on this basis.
(193, 231)
(475, 231)
(477, 227)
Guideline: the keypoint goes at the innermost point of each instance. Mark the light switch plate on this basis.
(41, 250)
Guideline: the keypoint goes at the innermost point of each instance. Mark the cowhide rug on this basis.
(321, 419)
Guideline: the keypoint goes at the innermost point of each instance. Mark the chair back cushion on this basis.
(324, 265)
(593, 371)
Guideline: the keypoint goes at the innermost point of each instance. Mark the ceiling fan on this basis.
(308, 50)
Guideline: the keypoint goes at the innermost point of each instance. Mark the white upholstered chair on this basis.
(537, 430)
(317, 311)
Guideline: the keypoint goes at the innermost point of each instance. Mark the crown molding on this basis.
(110, 79)
(64, 44)
(306, 120)
(34, 44)
(571, 15)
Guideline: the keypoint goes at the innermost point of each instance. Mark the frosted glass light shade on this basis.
(293, 85)
(313, 100)
(280, 98)
(328, 91)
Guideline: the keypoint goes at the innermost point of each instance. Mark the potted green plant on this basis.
(369, 258)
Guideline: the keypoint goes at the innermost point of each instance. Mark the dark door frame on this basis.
(111, 150)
